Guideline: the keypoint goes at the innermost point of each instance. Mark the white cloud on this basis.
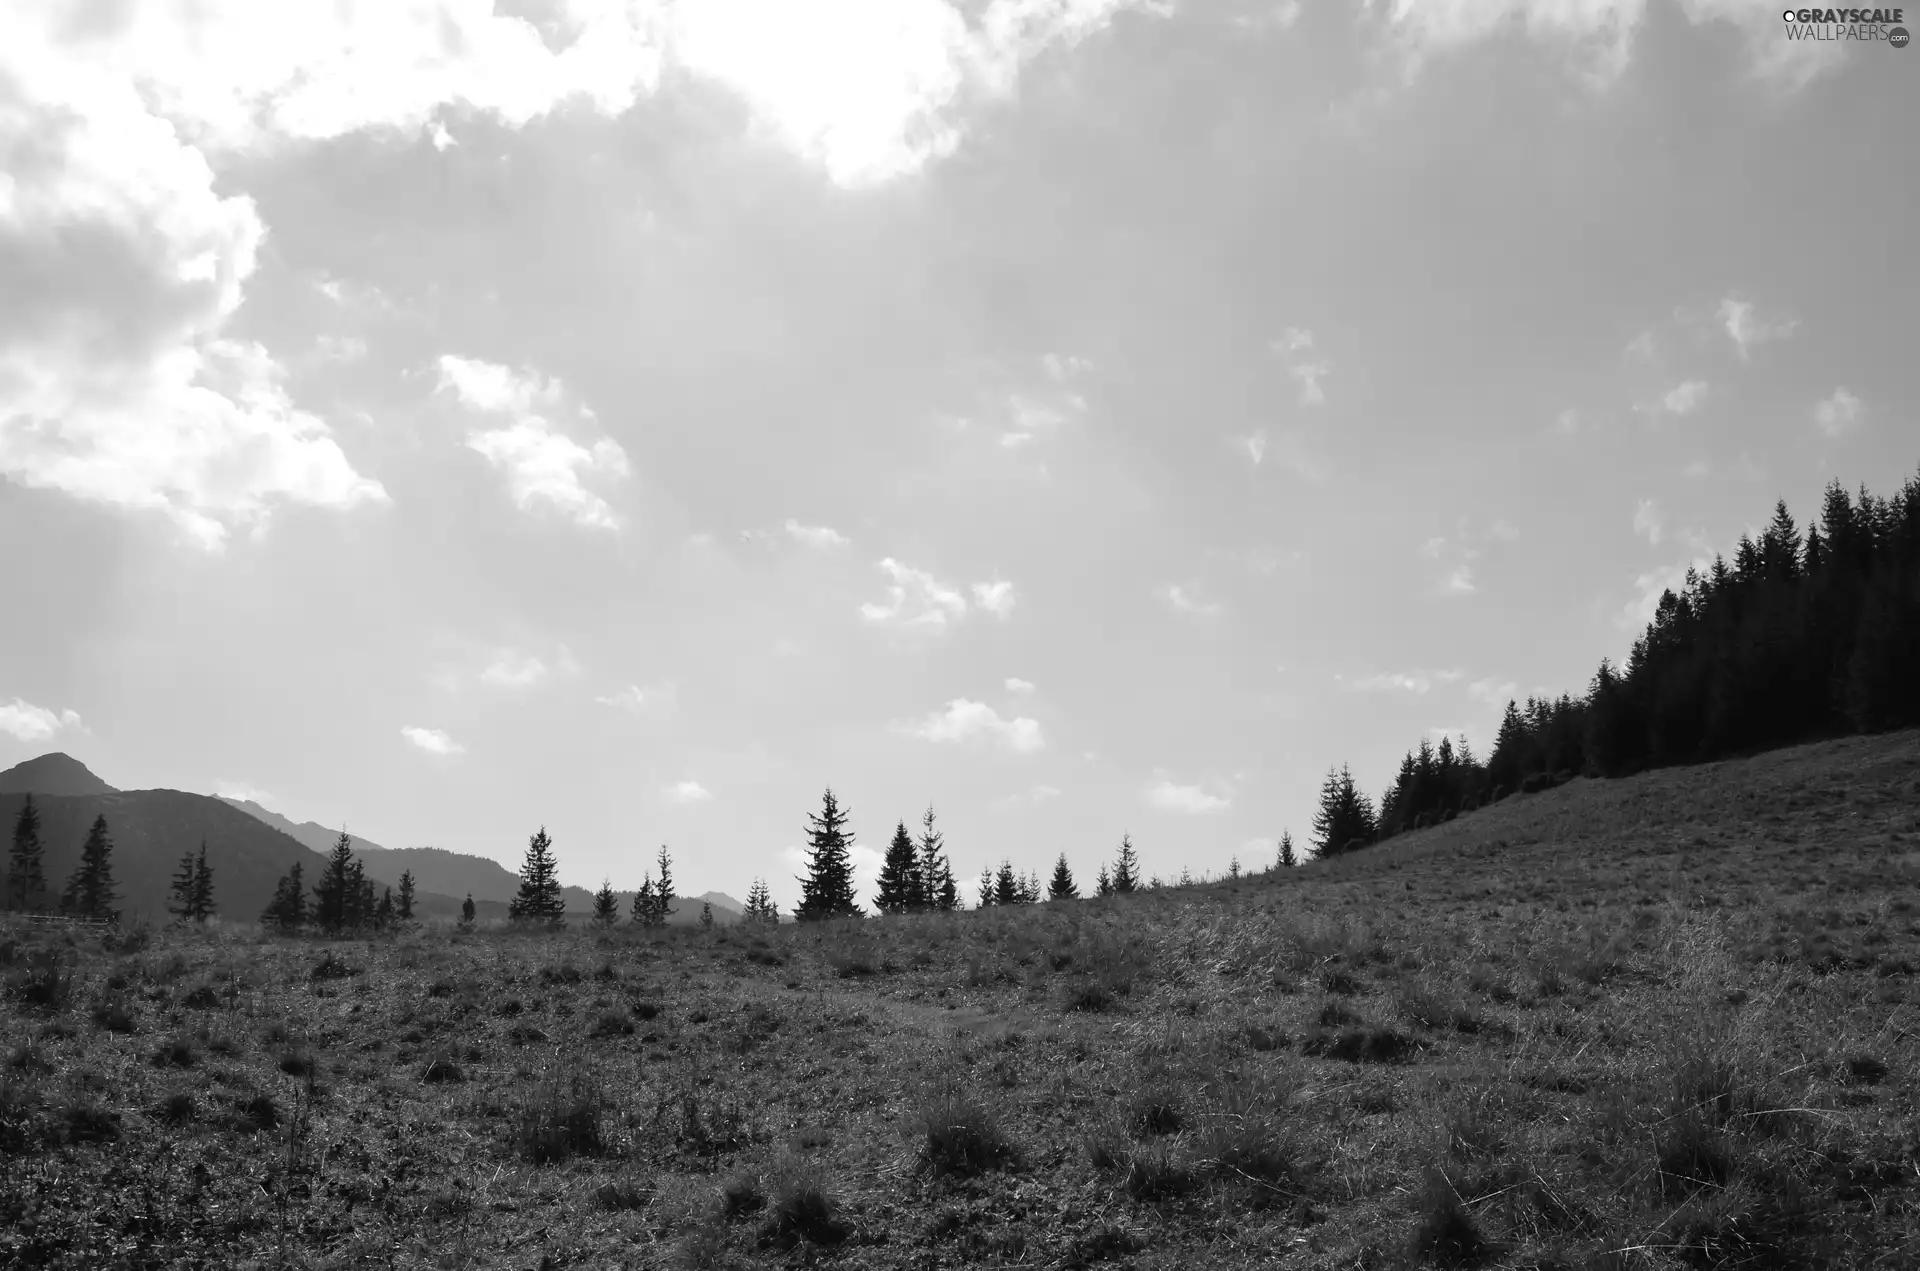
(1168, 796)
(915, 600)
(27, 722)
(685, 792)
(1292, 340)
(1641, 347)
(541, 464)
(1018, 685)
(1646, 521)
(340, 348)
(441, 138)
(1493, 692)
(1186, 602)
(1255, 446)
(432, 740)
(1837, 413)
(1567, 422)
(652, 700)
(965, 720)
(511, 670)
(1638, 612)
(997, 597)
(1028, 797)
(1308, 372)
(1746, 329)
(1309, 375)
(1400, 681)
(815, 535)
(1061, 369)
(1502, 532)
(1684, 398)
(491, 387)
(242, 791)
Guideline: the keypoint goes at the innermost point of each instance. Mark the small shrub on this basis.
(525, 1035)
(202, 998)
(442, 1068)
(646, 1010)
(565, 973)
(115, 1015)
(621, 1196)
(297, 1061)
(1373, 1043)
(88, 1122)
(612, 1024)
(256, 1114)
(558, 1119)
(958, 1136)
(1446, 1234)
(175, 1052)
(1155, 1172)
(330, 967)
(742, 1195)
(1155, 1110)
(800, 1210)
(177, 1108)
(1088, 993)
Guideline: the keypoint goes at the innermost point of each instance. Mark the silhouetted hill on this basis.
(440, 873)
(53, 773)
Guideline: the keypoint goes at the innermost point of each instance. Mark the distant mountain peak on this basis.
(54, 774)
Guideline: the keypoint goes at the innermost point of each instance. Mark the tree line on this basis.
(1802, 636)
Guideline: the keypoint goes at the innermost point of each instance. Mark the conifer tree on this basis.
(663, 896)
(606, 905)
(359, 895)
(899, 869)
(180, 899)
(987, 890)
(1103, 883)
(645, 910)
(26, 864)
(936, 871)
(706, 913)
(406, 896)
(203, 906)
(760, 906)
(1006, 887)
(467, 911)
(539, 899)
(827, 890)
(1126, 869)
(1287, 858)
(1344, 817)
(383, 917)
(1061, 886)
(332, 903)
(1030, 888)
(288, 908)
(90, 891)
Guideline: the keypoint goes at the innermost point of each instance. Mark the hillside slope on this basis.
(53, 773)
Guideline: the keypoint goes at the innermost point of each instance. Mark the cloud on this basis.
(997, 598)
(1646, 521)
(1255, 446)
(1838, 413)
(1015, 684)
(819, 536)
(1396, 681)
(653, 700)
(1294, 344)
(1458, 581)
(1634, 616)
(541, 464)
(685, 792)
(27, 722)
(1567, 422)
(1168, 796)
(1457, 554)
(1493, 692)
(1746, 329)
(1062, 369)
(1186, 602)
(432, 740)
(915, 600)
(340, 348)
(965, 721)
(1028, 797)
(242, 791)
(510, 670)
(1684, 398)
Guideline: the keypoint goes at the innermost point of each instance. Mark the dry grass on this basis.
(1662, 1022)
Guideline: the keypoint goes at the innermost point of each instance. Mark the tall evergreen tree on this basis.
(606, 905)
(539, 899)
(646, 908)
(899, 883)
(1103, 882)
(663, 893)
(288, 908)
(1006, 887)
(1344, 817)
(383, 917)
(26, 863)
(988, 892)
(1061, 886)
(203, 905)
(827, 890)
(936, 871)
(706, 913)
(358, 901)
(90, 891)
(180, 891)
(332, 903)
(1287, 858)
(1126, 868)
(760, 906)
(406, 896)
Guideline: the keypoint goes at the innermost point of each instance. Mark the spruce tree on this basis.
(1344, 818)
(406, 896)
(1030, 888)
(539, 899)
(1103, 882)
(90, 890)
(383, 917)
(1287, 857)
(643, 906)
(467, 911)
(288, 908)
(358, 904)
(760, 906)
(203, 906)
(1062, 886)
(663, 896)
(180, 891)
(827, 890)
(706, 913)
(987, 893)
(899, 891)
(606, 905)
(26, 864)
(936, 870)
(1126, 868)
(1006, 887)
(331, 907)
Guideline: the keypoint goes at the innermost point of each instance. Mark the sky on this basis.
(1085, 417)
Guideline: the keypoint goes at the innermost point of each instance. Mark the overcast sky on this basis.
(1084, 416)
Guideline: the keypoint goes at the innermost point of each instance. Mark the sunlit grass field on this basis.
(1667, 1021)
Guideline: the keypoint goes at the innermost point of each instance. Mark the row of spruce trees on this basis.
(90, 892)
(1802, 636)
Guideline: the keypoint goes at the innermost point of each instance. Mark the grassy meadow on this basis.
(1664, 1021)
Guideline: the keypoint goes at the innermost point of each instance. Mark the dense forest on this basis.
(1800, 637)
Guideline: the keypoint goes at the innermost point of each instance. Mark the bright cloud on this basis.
(652, 700)
(1296, 344)
(814, 535)
(1493, 692)
(510, 670)
(1397, 681)
(1684, 398)
(685, 792)
(1746, 329)
(964, 721)
(1169, 796)
(915, 600)
(1255, 446)
(1015, 684)
(541, 464)
(995, 597)
(432, 740)
(1646, 521)
(1185, 601)
(1838, 413)
(27, 722)
(242, 791)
